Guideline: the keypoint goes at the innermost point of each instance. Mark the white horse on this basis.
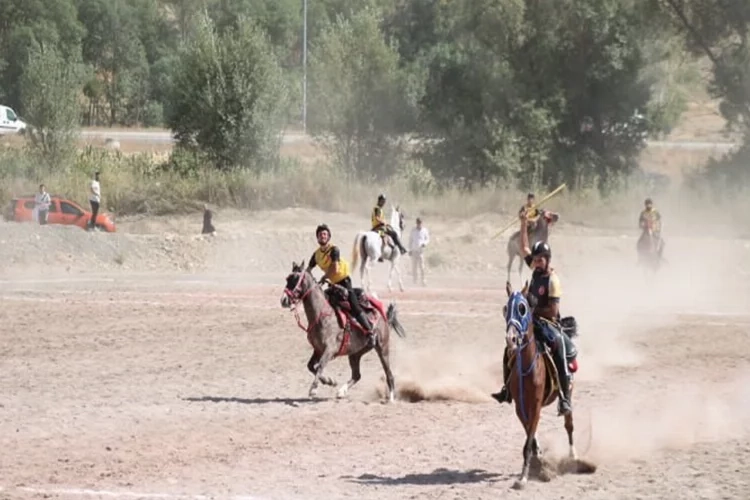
(370, 245)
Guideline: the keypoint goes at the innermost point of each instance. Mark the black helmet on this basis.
(322, 227)
(541, 248)
(381, 196)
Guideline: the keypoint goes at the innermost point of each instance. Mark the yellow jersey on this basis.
(324, 257)
(652, 217)
(377, 217)
(532, 213)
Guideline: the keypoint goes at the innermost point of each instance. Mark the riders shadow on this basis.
(438, 477)
(294, 402)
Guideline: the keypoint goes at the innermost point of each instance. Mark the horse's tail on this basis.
(392, 316)
(355, 249)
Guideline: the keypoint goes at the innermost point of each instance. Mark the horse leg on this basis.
(534, 412)
(384, 360)
(510, 264)
(520, 268)
(354, 360)
(394, 267)
(312, 366)
(398, 272)
(527, 452)
(323, 361)
(569, 429)
(390, 273)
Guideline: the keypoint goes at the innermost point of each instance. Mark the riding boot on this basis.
(397, 241)
(504, 395)
(365, 322)
(561, 363)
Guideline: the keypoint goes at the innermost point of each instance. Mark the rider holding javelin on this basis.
(545, 292)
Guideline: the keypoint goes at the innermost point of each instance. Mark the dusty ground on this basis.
(158, 364)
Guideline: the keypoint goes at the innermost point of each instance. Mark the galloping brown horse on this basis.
(332, 332)
(533, 379)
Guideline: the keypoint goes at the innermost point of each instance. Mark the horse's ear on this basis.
(525, 288)
(508, 288)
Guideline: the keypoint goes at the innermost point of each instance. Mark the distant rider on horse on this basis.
(650, 224)
(532, 212)
(328, 258)
(545, 292)
(379, 224)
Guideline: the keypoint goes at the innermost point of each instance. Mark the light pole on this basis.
(304, 66)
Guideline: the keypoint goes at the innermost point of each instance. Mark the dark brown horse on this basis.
(332, 332)
(533, 379)
(539, 232)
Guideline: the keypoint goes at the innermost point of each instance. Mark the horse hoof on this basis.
(342, 392)
(519, 484)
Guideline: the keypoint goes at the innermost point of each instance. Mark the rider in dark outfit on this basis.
(545, 292)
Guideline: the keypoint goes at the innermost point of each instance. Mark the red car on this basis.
(61, 211)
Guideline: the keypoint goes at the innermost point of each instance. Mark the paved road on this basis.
(164, 137)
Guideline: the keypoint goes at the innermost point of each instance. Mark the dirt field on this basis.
(153, 363)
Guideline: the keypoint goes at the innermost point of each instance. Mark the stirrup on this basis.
(503, 396)
(562, 402)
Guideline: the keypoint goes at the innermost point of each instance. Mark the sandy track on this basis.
(121, 381)
(185, 392)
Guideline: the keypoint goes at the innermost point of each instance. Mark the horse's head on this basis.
(298, 284)
(551, 217)
(397, 219)
(517, 314)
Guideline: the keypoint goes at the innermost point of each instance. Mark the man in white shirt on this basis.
(418, 241)
(42, 202)
(95, 197)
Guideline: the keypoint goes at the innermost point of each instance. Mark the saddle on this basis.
(569, 328)
(338, 297)
(386, 240)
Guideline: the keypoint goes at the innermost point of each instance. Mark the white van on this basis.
(9, 121)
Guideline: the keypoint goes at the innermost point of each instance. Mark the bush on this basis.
(227, 97)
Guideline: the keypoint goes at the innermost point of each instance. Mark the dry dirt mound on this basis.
(65, 248)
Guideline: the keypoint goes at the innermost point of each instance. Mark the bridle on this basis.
(524, 330)
(297, 297)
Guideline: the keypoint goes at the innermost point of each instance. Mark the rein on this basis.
(521, 373)
(295, 300)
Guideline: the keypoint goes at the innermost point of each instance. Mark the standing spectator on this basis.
(418, 241)
(208, 227)
(42, 203)
(95, 198)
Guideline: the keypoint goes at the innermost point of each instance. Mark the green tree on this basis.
(539, 92)
(49, 92)
(719, 30)
(24, 25)
(112, 46)
(227, 97)
(360, 102)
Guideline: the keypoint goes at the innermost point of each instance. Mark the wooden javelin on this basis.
(546, 198)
